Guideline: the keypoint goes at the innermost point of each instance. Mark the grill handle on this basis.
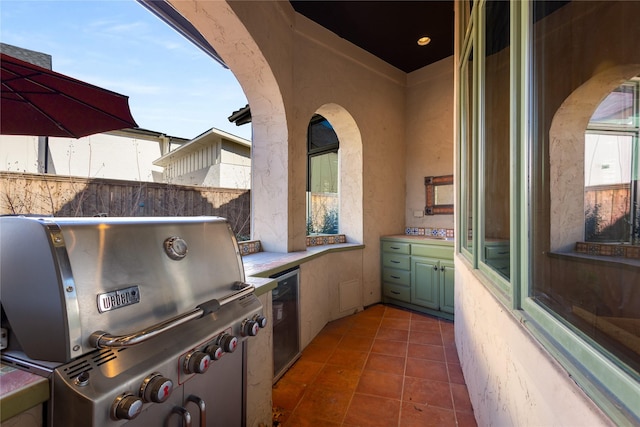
(101, 339)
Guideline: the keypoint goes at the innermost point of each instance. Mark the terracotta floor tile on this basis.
(339, 326)
(393, 323)
(364, 322)
(446, 326)
(430, 352)
(385, 363)
(348, 358)
(363, 331)
(357, 343)
(322, 403)
(455, 373)
(381, 384)
(337, 377)
(392, 334)
(287, 394)
(427, 392)
(373, 411)
(306, 420)
(461, 399)
(416, 415)
(421, 337)
(451, 355)
(396, 313)
(392, 348)
(316, 353)
(384, 366)
(425, 325)
(426, 369)
(466, 419)
(304, 371)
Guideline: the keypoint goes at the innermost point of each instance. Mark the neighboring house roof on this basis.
(204, 139)
(241, 116)
(147, 134)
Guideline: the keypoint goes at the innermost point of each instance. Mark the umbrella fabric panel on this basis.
(37, 101)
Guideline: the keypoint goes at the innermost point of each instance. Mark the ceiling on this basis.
(388, 29)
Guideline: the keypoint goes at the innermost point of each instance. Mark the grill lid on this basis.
(65, 279)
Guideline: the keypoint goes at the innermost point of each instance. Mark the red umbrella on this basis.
(41, 102)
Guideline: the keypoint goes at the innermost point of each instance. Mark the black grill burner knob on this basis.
(228, 343)
(156, 388)
(215, 351)
(126, 407)
(262, 320)
(196, 362)
(250, 328)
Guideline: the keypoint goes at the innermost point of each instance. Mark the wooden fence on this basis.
(23, 193)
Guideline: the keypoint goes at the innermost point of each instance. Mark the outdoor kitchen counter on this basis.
(259, 266)
(20, 391)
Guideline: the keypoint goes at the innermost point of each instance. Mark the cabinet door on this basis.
(424, 282)
(446, 286)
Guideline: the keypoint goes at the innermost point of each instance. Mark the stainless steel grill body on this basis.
(126, 315)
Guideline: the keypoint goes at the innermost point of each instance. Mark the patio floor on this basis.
(384, 366)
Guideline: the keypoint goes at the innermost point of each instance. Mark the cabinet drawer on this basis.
(401, 293)
(432, 251)
(395, 247)
(396, 261)
(399, 277)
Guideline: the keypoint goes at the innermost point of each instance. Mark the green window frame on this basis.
(609, 383)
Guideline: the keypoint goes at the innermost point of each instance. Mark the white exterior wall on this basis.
(96, 156)
(512, 380)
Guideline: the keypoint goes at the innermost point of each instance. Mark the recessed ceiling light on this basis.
(423, 41)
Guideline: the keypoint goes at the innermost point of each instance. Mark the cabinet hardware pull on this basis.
(395, 262)
(442, 268)
(395, 277)
(395, 292)
(394, 247)
(435, 267)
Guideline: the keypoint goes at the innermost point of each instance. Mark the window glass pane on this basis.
(607, 187)
(322, 181)
(496, 152)
(467, 152)
(593, 288)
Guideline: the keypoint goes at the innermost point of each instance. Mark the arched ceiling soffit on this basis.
(223, 29)
(343, 123)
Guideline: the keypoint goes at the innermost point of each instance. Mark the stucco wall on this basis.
(512, 380)
(429, 124)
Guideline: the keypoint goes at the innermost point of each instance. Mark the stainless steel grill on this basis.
(135, 321)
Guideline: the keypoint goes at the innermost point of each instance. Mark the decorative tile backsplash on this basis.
(435, 232)
(249, 247)
(331, 239)
(608, 249)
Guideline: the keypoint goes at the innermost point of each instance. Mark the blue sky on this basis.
(173, 87)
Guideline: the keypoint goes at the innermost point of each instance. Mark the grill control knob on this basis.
(228, 343)
(156, 388)
(126, 407)
(215, 351)
(250, 328)
(262, 320)
(196, 362)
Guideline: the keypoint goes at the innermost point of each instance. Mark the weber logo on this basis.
(118, 299)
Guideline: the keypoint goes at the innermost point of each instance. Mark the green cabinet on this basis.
(418, 274)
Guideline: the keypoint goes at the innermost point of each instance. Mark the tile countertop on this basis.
(259, 266)
(20, 390)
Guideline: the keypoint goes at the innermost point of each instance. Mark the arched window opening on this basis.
(323, 199)
(611, 158)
